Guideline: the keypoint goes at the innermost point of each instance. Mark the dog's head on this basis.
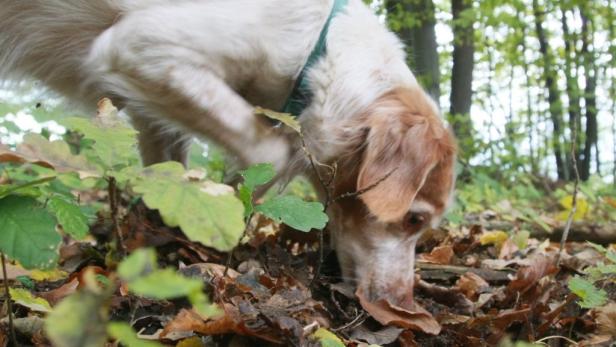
(405, 169)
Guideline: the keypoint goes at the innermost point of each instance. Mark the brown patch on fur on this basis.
(407, 138)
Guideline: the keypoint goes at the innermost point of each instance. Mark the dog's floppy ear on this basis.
(405, 142)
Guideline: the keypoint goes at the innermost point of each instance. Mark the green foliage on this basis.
(79, 320)
(295, 212)
(254, 176)
(25, 298)
(585, 288)
(139, 263)
(70, 216)
(285, 118)
(125, 334)
(327, 338)
(207, 212)
(590, 295)
(113, 146)
(144, 278)
(28, 232)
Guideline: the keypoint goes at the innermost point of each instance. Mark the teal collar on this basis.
(301, 95)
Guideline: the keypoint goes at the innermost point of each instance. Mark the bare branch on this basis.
(563, 240)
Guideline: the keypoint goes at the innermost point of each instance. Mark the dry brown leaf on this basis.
(417, 318)
(188, 321)
(381, 337)
(471, 285)
(507, 249)
(606, 319)
(440, 255)
(14, 271)
(529, 276)
(54, 296)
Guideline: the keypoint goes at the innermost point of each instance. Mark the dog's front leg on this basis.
(197, 100)
(158, 143)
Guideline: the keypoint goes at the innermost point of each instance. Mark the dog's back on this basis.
(48, 39)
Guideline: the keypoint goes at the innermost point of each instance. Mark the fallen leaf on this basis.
(327, 338)
(606, 319)
(380, 337)
(49, 276)
(496, 238)
(528, 276)
(125, 334)
(55, 295)
(285, 118)
(388, 314)
(439, 255)
(25, 298)
(471, 285)
(14, 271)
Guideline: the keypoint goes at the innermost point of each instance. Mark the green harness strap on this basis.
(301, 95)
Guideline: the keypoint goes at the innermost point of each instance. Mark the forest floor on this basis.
(474, 287)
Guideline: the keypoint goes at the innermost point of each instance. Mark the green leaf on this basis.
(26, 281)
(164, 284)
(139, 263)
(28, 232)
(257, 175)
(327, 338)
(18, 188)
(520, 239)
(295, 212)
(57, 153)
(25, 298)
(202, 305)
(591, 296)
(78, 321)
(70, 216)
(125, 334)
(114, 143)
(206, 212)
(254, 176)
(285, 118)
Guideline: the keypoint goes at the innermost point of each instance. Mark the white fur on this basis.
(199, 67)
(223, 56)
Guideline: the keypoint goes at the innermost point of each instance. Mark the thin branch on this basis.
(230, 255)
(112, 191)
(563, 240)
(361, 317)
(9, 304)
(327, 190)
(365, 190)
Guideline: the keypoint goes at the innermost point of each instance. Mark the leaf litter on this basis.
(264, 297)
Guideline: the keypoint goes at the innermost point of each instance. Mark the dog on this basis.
(200, 67)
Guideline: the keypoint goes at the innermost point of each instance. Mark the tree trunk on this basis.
(549, 76)
(573, 92)
(590, 92)
(462, 72)
(419, 38)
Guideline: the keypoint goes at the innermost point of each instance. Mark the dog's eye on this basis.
(414, 220)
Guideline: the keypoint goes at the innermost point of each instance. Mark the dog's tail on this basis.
(49, 39)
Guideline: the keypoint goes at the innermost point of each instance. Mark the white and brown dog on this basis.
(199, 67)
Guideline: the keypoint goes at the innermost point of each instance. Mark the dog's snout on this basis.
(396, 292)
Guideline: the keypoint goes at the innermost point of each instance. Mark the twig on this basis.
(553, 337)
(9, 304)
(563, 240)
(361, 317)
(365, 190)
(112, 191)
(327, 190)
(230, 255)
